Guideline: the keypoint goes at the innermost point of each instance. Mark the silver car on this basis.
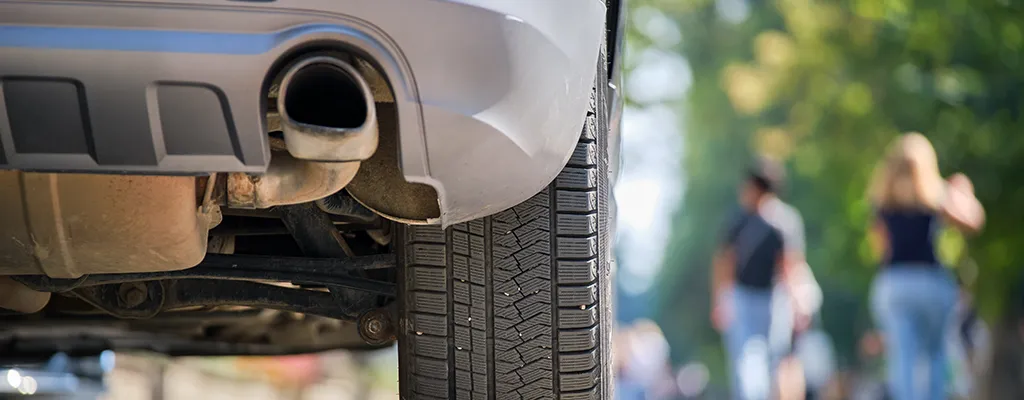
(214, 177)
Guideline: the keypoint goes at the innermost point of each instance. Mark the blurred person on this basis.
(763, 243)
(913, 295)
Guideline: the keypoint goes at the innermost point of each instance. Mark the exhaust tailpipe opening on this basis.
(323, 94)
(327, 111)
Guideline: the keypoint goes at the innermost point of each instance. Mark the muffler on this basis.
(327, 111)
(329, 123)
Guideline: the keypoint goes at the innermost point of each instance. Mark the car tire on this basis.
(516, 305)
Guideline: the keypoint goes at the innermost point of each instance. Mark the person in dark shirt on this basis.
(763, 240)
(913, 294)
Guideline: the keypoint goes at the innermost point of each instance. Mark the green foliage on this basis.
(825, 85)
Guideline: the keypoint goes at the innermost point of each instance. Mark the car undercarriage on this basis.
(293, 248)
(295, 303)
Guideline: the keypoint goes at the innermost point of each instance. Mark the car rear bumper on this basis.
(491, 94)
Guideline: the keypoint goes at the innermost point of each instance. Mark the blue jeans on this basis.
(912, 305)
(746, 343)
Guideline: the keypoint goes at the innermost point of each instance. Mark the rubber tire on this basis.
(516, 305)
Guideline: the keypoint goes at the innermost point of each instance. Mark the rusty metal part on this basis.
(375, 327)
(381, 187)
(17, 297)
(326, 110)
(209, 189)
(67, 225)
(150, 298)
(289, 181)
(131, 294)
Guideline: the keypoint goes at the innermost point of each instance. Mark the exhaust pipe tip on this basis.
(327, 111)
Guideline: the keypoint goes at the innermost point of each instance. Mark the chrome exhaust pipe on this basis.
(289, 181)
(327, 111)
(329, 122)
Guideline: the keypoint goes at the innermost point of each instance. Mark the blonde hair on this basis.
(908, 176)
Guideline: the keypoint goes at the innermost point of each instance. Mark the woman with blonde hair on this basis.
(913, 295)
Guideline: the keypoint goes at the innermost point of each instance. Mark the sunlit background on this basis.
(822, 86)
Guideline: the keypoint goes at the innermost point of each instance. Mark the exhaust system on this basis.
(329, 123)
(327, 111)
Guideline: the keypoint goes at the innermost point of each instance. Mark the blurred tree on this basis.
(825, 85)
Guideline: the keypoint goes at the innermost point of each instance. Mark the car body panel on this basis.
(491, 94)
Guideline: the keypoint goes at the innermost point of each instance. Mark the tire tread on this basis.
(522, 318)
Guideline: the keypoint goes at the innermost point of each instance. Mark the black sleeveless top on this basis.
(912, 235)
(758, 246)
